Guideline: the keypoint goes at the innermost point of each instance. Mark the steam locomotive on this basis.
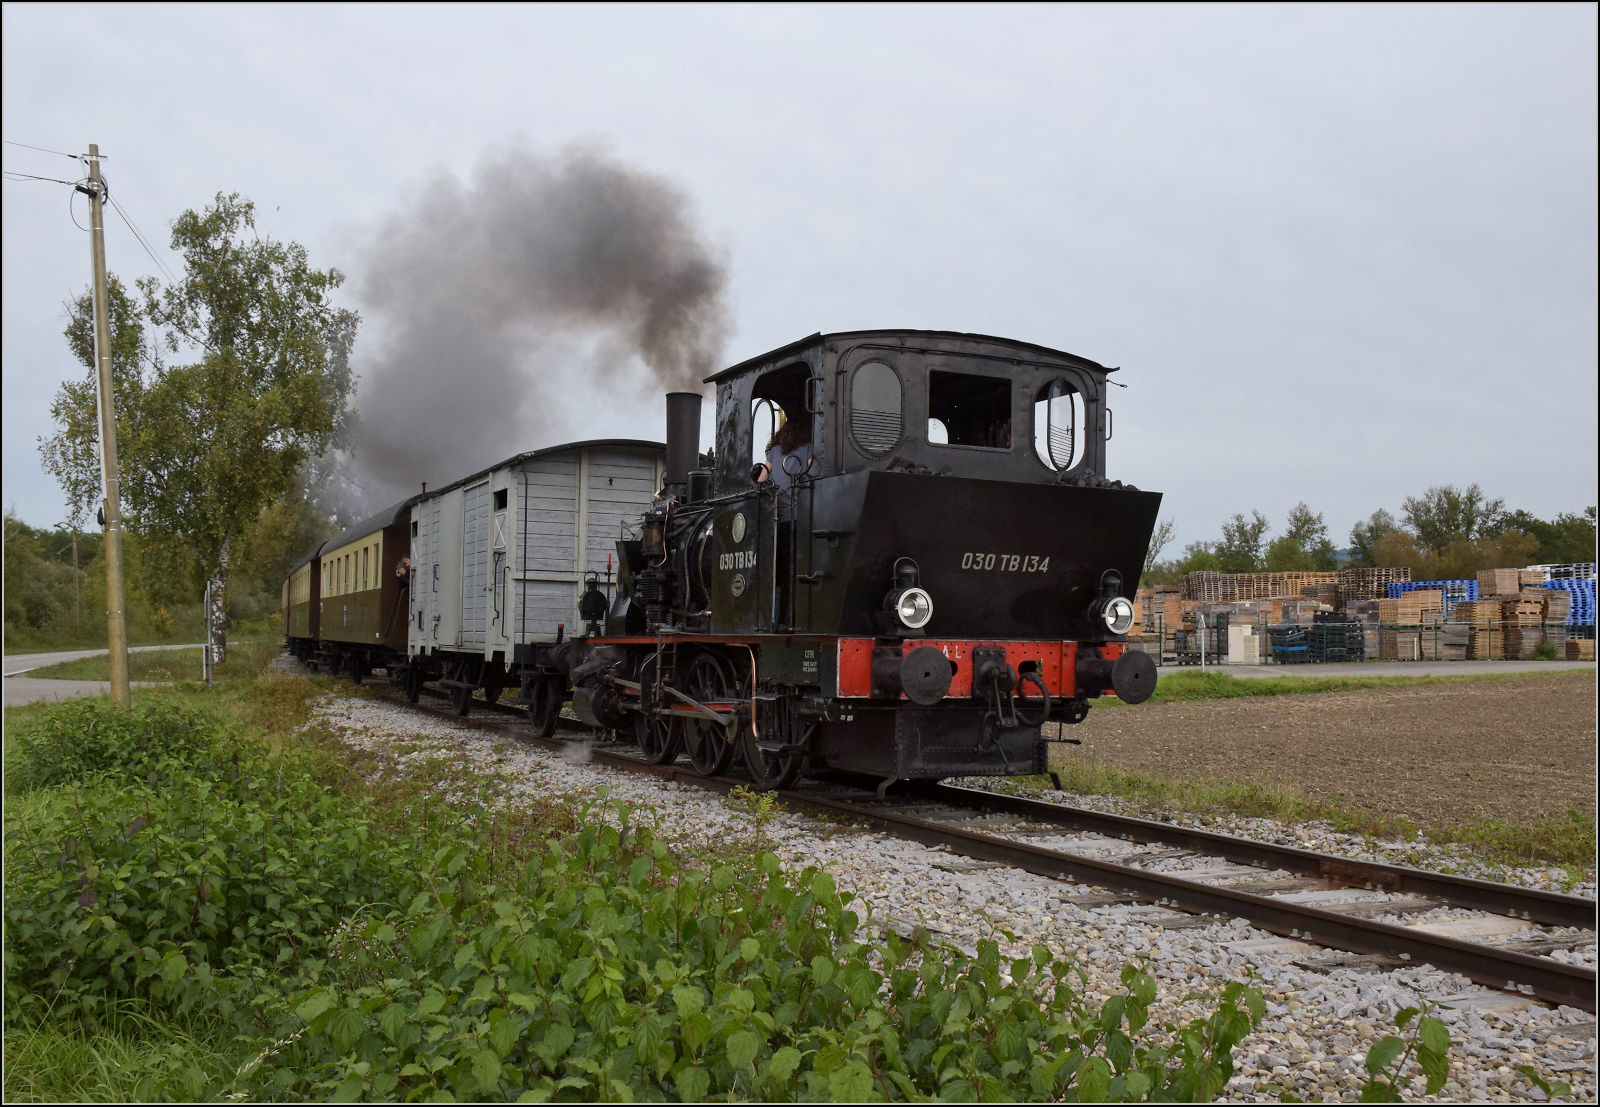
(900, 560)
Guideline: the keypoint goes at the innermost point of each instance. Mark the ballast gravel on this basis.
(1453, 858)
(1320, 1020)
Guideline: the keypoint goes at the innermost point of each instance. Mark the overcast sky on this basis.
(1341, 254)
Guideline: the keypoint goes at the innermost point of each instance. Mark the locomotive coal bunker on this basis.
(927, 566)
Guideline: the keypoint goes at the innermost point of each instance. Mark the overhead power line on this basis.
(45, 150)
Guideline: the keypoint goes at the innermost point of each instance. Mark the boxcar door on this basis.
(475, 566)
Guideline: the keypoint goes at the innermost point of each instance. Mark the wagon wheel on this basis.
(660, 737)
(413, 684)
(545, 710)
(772, 771)
(492, 689)
(707, 743)
(354, 668)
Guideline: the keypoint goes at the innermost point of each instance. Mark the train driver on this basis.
(791, 439)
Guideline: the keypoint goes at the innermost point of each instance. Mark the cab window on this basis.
(875, 404)
(1057, 415)
(965, 409)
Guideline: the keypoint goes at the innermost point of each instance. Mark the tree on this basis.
(72, 454)
(1364, 539)
(1158, 542)
(1569, 538)
(1446, 513)
(210, 445)
(1304, 545)
(1240, 548)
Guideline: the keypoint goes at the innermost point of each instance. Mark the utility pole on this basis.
(116, 613)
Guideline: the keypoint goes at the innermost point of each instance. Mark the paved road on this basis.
(26, 689)
(25, 662)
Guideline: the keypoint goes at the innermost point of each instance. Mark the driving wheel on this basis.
(707, 744)
(545, 710)
(660, 737)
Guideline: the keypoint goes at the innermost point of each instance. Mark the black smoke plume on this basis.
(539, 275)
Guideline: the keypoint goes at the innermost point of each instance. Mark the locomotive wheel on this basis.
(707, 744)
(660, 737)
(770, 771)
(545, 710)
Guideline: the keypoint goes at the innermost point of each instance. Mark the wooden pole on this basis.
(116, 614)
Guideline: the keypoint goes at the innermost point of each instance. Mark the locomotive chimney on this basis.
(683, 441)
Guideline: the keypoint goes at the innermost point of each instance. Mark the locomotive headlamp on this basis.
(914, 608)
(1118, 615)
(908, 601)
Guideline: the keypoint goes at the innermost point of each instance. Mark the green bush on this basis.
(166, 872)
(175, 887)
(77, 739)
(607, 972)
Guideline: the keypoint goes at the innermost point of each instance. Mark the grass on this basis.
(166, 665)
(114, 1062)
(1566, 839)
(1189, 685)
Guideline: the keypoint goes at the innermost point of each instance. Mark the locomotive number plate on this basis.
(738, 559)
(1006, 563)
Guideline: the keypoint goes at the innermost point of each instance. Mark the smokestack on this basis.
(683, 440)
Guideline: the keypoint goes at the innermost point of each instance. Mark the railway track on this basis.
(1313, 898)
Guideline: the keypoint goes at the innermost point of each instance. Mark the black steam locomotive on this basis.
(902, 558)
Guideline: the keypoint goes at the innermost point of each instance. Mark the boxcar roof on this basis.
(391, 514)
(975, 339)
(588, 443)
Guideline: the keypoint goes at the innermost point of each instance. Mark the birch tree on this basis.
(206, 446)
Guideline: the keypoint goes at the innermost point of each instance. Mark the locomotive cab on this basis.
(975, 464)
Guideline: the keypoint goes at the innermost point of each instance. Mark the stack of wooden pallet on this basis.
(1522, 618)
(1324, 593)
(1370, 584)
(1413, 609)
(1455, 642)
(1203, 587)
(1162, 601)
(1580, 649)
(1557, 604)
(1481, 618)
(1507, 582)
(1400, 645)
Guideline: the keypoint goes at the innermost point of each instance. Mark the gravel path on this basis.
(1321, 1019)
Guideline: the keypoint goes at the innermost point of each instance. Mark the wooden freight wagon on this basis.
(501, 558)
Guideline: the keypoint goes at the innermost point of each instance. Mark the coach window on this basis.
(969, 410)
(875, 408)
(1057, 414)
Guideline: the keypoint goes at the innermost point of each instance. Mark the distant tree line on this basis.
(1447, 533)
